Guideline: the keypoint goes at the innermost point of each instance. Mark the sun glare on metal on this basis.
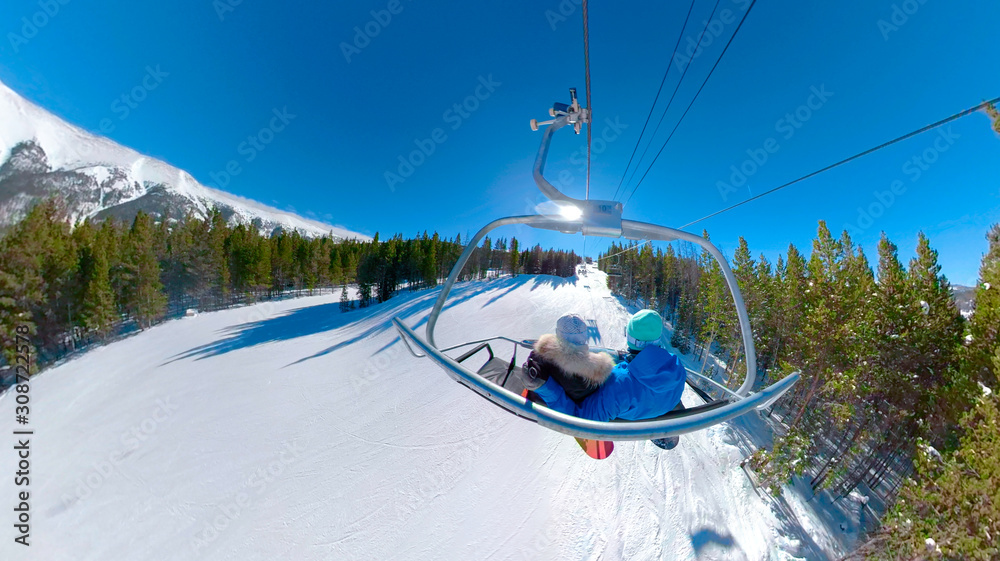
(570, 212)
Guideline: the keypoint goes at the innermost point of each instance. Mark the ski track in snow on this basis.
(289, 430)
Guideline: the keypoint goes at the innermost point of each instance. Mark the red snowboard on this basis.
(597, 449)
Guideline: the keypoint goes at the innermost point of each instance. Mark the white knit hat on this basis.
(572, 329)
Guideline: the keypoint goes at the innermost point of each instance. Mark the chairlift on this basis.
(615, 267)
(600, 218)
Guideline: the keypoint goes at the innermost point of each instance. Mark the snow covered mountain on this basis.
(42, 155)
(965, 297)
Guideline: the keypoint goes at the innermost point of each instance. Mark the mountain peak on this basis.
(43, 156)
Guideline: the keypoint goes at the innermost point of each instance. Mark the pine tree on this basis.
(219, 264)
(345, 300)
(368, 268)
(262, 277)
(38, 261)
(994, 115)
(336, 268)
(428, 265)
(823, 326)
(984, 325)
(485, 257)
(646, 277)
(386, 275)
(895, 312)
(144, 298)
(794, 288)
(515, 257)
(765, 314)
(938, 330)
(98, 305)
(954, 500)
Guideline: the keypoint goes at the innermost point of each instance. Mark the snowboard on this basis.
(597, 449)
(668, 443)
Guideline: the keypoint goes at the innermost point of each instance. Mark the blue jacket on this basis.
(647, 387)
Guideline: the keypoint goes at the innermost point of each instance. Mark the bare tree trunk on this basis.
(708, 349)
(808, 398)
(731, 367)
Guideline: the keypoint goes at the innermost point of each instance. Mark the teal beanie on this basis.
(643, 328)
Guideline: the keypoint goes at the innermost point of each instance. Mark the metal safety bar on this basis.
(585, 428)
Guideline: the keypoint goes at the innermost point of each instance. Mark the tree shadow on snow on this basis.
(551, 281)
(513, 284)
(503, 288)
(458, 295)
(305, 321)
(311, 320)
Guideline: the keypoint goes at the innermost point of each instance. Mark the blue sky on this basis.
(225, 67)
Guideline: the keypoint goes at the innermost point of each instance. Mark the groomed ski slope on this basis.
(289, 430)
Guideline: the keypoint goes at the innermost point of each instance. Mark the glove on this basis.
(533, 373)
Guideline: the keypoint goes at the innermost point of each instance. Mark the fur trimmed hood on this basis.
(593, 368)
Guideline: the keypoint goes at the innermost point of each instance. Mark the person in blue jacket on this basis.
(647, 384)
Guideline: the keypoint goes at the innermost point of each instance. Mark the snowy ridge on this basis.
(97, 175)
(291, 430)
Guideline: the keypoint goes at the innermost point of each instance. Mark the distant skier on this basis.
(566, 358)
(646, 384)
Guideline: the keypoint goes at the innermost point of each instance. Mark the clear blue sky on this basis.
(230, 66)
